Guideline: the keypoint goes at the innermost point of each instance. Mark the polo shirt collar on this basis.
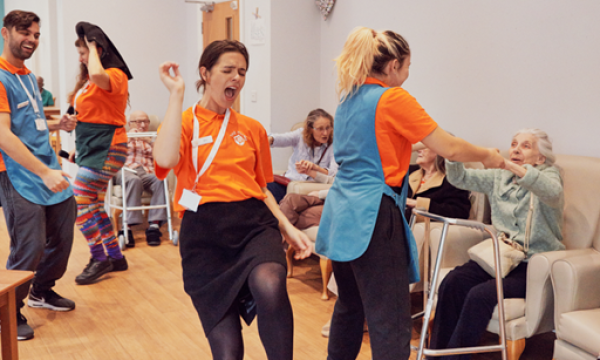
(5, 65)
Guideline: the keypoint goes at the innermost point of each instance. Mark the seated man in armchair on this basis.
(139, 158)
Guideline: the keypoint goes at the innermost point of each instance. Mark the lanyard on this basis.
(213, 151)
(83, 88)
(31, 98)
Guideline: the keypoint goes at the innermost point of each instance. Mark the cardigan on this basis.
(509, 198)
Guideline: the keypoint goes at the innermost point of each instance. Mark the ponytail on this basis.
(364, 52)
(355, 62)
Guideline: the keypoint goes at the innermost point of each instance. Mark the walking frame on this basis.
(430, 288)
(124, 239)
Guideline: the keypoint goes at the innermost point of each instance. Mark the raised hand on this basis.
(174, 82)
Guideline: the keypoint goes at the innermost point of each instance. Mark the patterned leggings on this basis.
(90, 188)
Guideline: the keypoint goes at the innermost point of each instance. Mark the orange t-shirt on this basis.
(399, 122)
(4, 106)
(240, 168)
(98, 106)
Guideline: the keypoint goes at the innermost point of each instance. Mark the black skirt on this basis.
(220, 244)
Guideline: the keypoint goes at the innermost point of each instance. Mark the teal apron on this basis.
(22, 124)
(353, 202)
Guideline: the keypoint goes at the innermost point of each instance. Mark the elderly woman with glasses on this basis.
(312, 149)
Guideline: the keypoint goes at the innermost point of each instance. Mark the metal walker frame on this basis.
(124, 239)
(431, 288)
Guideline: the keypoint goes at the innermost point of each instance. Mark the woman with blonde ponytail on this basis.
(363, 229)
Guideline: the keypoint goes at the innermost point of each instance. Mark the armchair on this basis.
(535, 314)
(577, 313)
(576, 275)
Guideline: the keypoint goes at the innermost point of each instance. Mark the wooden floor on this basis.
(143, 313)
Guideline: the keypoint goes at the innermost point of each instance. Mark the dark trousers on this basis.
(374, 286)
(466, 300)
(41, 237)
(277, 190)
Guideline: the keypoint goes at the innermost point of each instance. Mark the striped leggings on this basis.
(90, 189)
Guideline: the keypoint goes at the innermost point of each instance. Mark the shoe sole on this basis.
(92, 280)
(22, 338)
(44, 305)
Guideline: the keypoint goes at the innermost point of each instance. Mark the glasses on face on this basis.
(323, 129)
(140, 122)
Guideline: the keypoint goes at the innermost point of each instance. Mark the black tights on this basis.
(267, 283)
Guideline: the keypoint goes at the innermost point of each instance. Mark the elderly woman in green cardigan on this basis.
(467, 295)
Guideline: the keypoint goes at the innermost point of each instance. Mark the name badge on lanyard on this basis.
(189, 198)
(40, 123)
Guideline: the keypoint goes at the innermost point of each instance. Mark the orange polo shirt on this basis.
(98, 106)
(399, 122)
(4, 106)
(240, 168)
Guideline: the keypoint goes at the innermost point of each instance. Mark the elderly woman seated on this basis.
(467, 295)
(311, 143)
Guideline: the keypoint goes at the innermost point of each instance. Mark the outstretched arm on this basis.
(457, 149)
(166, 146)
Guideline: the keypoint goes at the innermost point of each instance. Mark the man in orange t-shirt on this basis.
(38, 201)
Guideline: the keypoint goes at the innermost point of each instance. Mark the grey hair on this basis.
(544, 143)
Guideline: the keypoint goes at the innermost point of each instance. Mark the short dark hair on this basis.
(20, 19)
(214, 50)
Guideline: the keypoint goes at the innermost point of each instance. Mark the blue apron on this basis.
(22, 124)
(353, 202)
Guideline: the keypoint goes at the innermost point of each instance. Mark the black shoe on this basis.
(153, 235)
(118, 264)
(49, 300)
(93, 270)
(130, 239)
(24, 331)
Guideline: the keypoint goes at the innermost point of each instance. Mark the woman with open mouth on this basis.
(232, 227)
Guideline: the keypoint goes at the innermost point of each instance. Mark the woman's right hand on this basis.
(494, 160)
(173, 82)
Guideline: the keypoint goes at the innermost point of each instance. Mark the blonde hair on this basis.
(366, 51)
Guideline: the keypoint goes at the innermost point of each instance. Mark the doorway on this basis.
(222, 23)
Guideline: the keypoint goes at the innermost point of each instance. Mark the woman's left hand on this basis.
(299, 241)
(411, 203)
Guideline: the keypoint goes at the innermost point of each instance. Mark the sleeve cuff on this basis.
(423, 203)
(323, 194)
(530, 176)
(322, 178)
